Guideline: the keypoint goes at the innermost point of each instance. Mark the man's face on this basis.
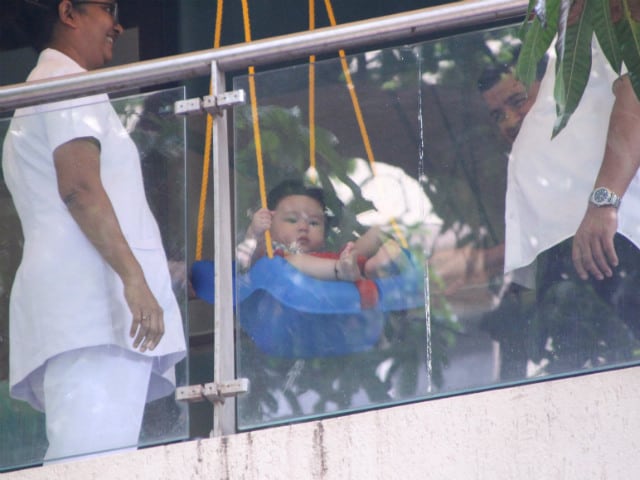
(509, 102)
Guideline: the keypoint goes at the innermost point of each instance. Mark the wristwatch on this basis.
(603, 197)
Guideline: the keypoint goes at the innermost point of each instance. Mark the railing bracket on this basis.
(213, 392)
(212, 104)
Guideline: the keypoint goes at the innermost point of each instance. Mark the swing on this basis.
(285, 312)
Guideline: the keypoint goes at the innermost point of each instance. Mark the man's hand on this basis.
(593, 251)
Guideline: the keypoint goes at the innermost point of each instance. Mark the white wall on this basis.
(581, 428)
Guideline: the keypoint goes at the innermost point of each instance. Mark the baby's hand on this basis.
(388, 260)
(260, 223)
(347, 265)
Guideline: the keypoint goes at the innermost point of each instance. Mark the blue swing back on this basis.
(289, 314)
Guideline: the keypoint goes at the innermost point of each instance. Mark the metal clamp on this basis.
(213, 392)
(212, 104)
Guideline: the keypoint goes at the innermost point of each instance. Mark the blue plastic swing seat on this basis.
(289, 314)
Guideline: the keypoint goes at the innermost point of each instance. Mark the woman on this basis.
(95, 327)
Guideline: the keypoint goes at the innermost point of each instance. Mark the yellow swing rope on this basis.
(312, 173)
(206, 162)
(256, 124)
(256, 127)
(358, 112)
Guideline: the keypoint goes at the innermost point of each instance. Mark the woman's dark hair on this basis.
(294, 187)
(37, 19)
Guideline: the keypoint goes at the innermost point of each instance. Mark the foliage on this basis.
(574, 23)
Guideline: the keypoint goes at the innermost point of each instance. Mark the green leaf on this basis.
(628, 35)
(536, 42)
(563, 15)
(523, 28)
(605, 32)
(572, 68)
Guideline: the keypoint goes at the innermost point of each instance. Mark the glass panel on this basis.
(431, 173)
(311, 345)
(47, 272)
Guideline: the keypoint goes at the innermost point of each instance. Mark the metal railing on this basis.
(400, 27)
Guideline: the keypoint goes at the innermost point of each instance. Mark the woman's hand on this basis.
(147, 325)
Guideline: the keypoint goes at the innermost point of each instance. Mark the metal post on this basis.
(224, 342)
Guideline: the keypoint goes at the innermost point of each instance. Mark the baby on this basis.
(297, 222)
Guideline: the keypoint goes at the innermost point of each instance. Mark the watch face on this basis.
(600, 196)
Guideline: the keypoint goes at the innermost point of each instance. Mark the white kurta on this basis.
(549, 181)
(65, 296)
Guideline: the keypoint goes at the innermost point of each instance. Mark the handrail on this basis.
(398, 27)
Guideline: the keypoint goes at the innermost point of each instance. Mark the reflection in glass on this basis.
(159, 138)
(440, 117)
(350, 354)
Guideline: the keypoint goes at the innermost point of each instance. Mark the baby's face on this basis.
(298, 223)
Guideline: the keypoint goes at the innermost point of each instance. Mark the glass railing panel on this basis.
(310, 339)
(437, 186)
(156, 168)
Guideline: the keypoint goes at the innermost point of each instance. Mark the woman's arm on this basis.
(77, 164)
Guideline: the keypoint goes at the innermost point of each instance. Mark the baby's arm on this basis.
(260, 223)
(370, 242)
(344, 268)
(384, 255)
(253, 246)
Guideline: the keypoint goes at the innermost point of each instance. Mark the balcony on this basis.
(400, 138)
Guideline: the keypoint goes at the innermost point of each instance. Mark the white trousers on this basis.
(94, 401)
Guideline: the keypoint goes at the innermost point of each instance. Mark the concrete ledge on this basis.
(586, 427)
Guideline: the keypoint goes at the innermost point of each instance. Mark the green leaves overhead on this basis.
(573, 24)
(573, 64)
(537, 38)
(628, 36)
(605, 32)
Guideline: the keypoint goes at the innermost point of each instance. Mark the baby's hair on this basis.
(294, 187)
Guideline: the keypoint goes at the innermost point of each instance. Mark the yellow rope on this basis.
(256, 127)
(206, 162)
(358, 112)
(256, 124)
(352, 92)
(312, 101)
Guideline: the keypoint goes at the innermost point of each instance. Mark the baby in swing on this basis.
(297, 221)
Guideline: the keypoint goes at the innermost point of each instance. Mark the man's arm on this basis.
(593, 250)
(77, 164)
(460, 267)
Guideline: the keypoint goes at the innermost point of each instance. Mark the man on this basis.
(508, 101)
(562, 212)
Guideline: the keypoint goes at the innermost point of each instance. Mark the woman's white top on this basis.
(65, 296)
(549, 180)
